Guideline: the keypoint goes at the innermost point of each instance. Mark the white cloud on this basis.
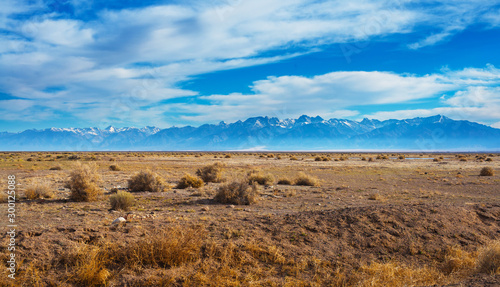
(95, 61)
(58, 32)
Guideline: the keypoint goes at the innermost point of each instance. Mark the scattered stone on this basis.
(230, 206)
(205, 208)
(118, 220)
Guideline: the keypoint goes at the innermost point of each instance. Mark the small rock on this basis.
(118, 220)
(231, 206)
(205, 208)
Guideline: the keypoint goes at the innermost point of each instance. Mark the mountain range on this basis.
(436, 133)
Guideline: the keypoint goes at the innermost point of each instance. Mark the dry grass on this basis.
(260, 177)
(459, 262)
(396, 274)
(173, 246)
(39, 190)
(488, 260)
(306, 180)
(86, 265)
(121, 200)
(83, 183)
(238, 192)
(486, 171)
(211, 173)
(90, 265)
(189, 181)
(147, 181)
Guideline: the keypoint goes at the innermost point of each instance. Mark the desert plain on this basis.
(309, 219)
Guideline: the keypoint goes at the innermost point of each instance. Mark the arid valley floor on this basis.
(395, 220)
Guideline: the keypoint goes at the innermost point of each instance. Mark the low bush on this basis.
(486, 171)
(147, 181)
(284, 181)
(237, 192)
(190, 181)
(121, 200)
(260, 178)
(55, 168)
(307, 180)
(83, 183)
(114, 167)
(211, 173)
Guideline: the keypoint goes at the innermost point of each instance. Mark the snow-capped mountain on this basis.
(269, 133)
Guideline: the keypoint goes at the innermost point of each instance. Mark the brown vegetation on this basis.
(189, 181)
(237, 192)
(83, 183)
(121, 200)
(147, 181)
(211, 173)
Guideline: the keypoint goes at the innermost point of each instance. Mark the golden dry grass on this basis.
(396, 274)
(39, 190)
(488, 260)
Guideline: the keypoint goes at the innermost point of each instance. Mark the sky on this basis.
(75, 63)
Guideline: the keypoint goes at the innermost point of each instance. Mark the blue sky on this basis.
(74, 63)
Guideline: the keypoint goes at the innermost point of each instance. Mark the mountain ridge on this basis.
(435, 133)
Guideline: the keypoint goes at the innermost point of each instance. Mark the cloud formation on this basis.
(123, 65)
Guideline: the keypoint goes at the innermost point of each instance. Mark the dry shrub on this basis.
(121, 200)
(114, 167)
(83, 183)
(56, 168)
(147, 181)
(259, 177)
(486, 171)
(211, 173)
(284, 181)
(396, 274)
(189, 181)
(237, 192)
(87, 265)
(293, 158)
(488, 260)
(307, 180)
(39, 190)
